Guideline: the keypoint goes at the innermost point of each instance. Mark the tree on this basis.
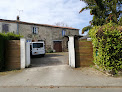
(120, 21)
(103, 11)
(61, 24)
(86, 28)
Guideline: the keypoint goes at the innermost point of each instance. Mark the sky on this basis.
(46, 12)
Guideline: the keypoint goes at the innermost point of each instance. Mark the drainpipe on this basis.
(17, 28)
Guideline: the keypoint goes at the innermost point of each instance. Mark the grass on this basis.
(8, 72)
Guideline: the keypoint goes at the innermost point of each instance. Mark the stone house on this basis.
(55, 37)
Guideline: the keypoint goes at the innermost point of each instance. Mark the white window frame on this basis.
(35, 30)
(63, 32)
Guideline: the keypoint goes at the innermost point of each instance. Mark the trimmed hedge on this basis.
(107, 47)
(3, 38)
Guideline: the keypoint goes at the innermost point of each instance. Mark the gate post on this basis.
(28, 59)
(71, 51)
(22, 52)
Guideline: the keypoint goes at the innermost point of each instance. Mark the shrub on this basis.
(107, 41)
(49, 51)
(3, 38)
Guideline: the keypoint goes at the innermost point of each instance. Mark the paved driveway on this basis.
(50, 59)
(61, 75)
(54, 72)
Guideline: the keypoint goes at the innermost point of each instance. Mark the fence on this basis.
(83, 53)
(12, 55)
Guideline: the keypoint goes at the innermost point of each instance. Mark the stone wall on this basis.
(12, 27)
(48, 34)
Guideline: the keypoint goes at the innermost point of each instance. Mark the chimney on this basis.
(17, 18)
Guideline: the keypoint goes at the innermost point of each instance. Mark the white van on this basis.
(37, 48)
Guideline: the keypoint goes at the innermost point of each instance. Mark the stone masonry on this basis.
(47, 33)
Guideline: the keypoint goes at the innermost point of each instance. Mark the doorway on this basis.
(57, 45)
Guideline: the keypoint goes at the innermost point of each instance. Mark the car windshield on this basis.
(37, 45)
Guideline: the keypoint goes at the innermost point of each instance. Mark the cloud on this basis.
(46, 11)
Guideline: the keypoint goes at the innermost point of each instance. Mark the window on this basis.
(63, 32)
(5, 28)
(35, 30)
(37, 45)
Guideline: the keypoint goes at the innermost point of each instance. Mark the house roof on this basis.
(86, 36)
(21, 22)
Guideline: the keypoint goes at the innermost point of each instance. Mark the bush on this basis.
(3, 38)
(107, 41)
(49, 51)
(10, 36)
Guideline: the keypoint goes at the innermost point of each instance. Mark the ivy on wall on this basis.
(107, 47)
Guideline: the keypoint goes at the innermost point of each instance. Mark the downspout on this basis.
(17, 28)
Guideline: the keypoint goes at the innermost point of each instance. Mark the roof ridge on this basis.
(16, 21)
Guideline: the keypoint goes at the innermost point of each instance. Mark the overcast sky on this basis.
(46, 11)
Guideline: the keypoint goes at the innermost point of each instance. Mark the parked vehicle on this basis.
(37, 48)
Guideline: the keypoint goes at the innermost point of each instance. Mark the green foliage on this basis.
(104, 11)
(9, 36)
(86, 29)
(49, 51)
(107, 40)
(3, 38)
(120, 21)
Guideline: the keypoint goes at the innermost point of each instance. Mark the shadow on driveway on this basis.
(50, 59)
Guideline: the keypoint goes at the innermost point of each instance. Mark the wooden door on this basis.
(57, 46)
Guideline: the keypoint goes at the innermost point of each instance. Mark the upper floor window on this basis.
(5, 28)
(63, 32)
(35, 30)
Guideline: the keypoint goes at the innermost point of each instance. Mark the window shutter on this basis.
(5, 28)
(36, 30)
(62, 32)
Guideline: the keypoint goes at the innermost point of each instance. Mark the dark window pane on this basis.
(33, 30)
(37, 45)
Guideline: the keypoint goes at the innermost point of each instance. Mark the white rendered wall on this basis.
(71, 51)
(22, 52)
(27, 63)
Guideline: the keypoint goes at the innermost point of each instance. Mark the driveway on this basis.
(50, 59)
(54, 72)
(61, 75)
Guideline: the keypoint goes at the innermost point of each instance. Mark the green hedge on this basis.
(107, 47)
(3, 38)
